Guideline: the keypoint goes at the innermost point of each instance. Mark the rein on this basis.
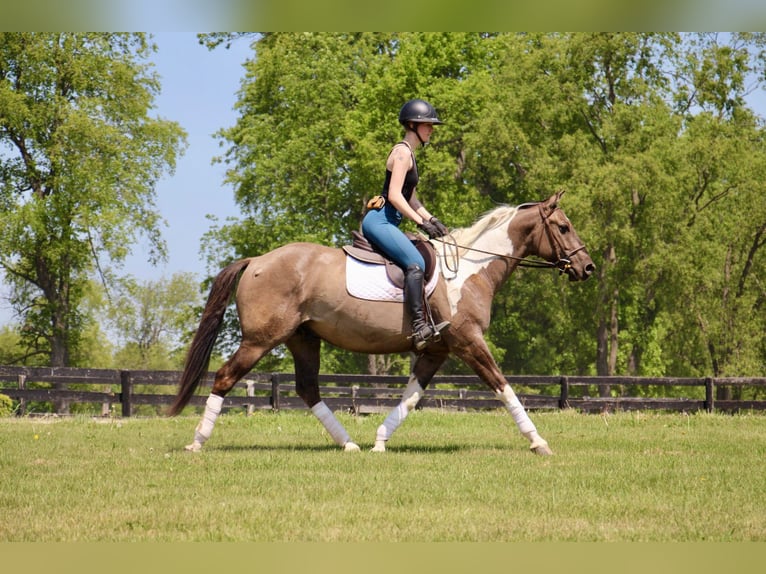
(523, 262)
(563, 263)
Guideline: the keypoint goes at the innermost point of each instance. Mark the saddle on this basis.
(363, 250)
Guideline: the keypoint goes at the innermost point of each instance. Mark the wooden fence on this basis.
(122, 393)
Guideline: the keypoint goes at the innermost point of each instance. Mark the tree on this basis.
(318, 114)
(649, 133)
(79, 160)
(151, 319)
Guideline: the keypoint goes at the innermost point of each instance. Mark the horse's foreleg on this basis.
(519, 414)
(305, 346)
(225, 378)
(477, 355)
(412, 394)
(424, 370)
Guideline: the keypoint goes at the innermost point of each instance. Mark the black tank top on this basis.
(410, 180)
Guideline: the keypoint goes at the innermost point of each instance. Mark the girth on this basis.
(363, 250)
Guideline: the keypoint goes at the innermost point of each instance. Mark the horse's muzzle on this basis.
(578, 272)
(587, 270)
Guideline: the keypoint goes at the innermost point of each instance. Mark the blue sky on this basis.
(199, 90)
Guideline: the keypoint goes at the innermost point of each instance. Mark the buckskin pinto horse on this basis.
(296, 295)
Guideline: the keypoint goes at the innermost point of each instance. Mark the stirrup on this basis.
(437, 336)
(427, 334)
(423, 337)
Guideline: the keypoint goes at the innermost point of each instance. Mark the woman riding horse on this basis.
(381, 223)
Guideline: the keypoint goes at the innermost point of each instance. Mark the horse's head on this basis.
(555, 240)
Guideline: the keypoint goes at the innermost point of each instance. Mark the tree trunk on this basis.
(59, 358)
(608, 326)
(372, 365)
(56, 293)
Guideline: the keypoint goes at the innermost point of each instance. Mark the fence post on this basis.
(126, 390)
(106, 406)
(275, 391)
(709, 394)
(355, 398)
(564, 395)
(22, 382)
(250, 393)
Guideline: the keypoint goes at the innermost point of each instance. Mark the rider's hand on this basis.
(430, 229)
(440, 226)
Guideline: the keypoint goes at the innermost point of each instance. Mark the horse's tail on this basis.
(198, 357)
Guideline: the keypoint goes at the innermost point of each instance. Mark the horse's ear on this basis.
(553, 200)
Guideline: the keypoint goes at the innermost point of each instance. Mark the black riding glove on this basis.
(440, 226)
(430, 229)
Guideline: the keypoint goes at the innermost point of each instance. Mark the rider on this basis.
(381, 226)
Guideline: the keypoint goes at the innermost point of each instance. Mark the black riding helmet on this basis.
(418, 111)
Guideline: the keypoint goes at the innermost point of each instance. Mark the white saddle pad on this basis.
(370, 281)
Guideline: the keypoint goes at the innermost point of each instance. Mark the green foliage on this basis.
(151, 320)
(310, 144)
(95, 350)
(10, 350)
(6, 405)
(13, 351)
(650, 134)
(81, 157)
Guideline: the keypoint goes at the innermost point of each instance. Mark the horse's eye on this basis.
(564, 228)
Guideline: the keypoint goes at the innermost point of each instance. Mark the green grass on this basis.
(445, 477)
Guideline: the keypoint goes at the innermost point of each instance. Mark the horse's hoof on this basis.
(380, 446)
(541, 449)
(193, 447)
(351, 447)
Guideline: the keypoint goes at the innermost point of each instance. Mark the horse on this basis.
(296, 295)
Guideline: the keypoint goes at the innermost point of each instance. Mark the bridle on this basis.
(563, 262)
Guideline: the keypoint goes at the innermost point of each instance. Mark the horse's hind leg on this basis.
(305, 346)
(226, 377)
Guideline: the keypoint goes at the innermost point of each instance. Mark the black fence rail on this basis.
(124, 393)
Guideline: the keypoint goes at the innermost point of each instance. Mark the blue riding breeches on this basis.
(381, 228)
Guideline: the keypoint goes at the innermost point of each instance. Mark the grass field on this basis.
(446, 477)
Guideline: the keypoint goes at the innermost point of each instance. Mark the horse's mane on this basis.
(489, 220)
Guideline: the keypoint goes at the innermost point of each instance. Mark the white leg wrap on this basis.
(333, 426)
(519, 414)
(205, 427)
(412, 394)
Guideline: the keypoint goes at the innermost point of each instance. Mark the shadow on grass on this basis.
(406, 449)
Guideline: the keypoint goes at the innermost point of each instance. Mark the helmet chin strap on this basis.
(414, 128)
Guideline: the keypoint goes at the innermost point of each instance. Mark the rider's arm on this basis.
(419, 207)
(399, 163)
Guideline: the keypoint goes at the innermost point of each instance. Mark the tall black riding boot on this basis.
(422, 330)
(413, 299)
